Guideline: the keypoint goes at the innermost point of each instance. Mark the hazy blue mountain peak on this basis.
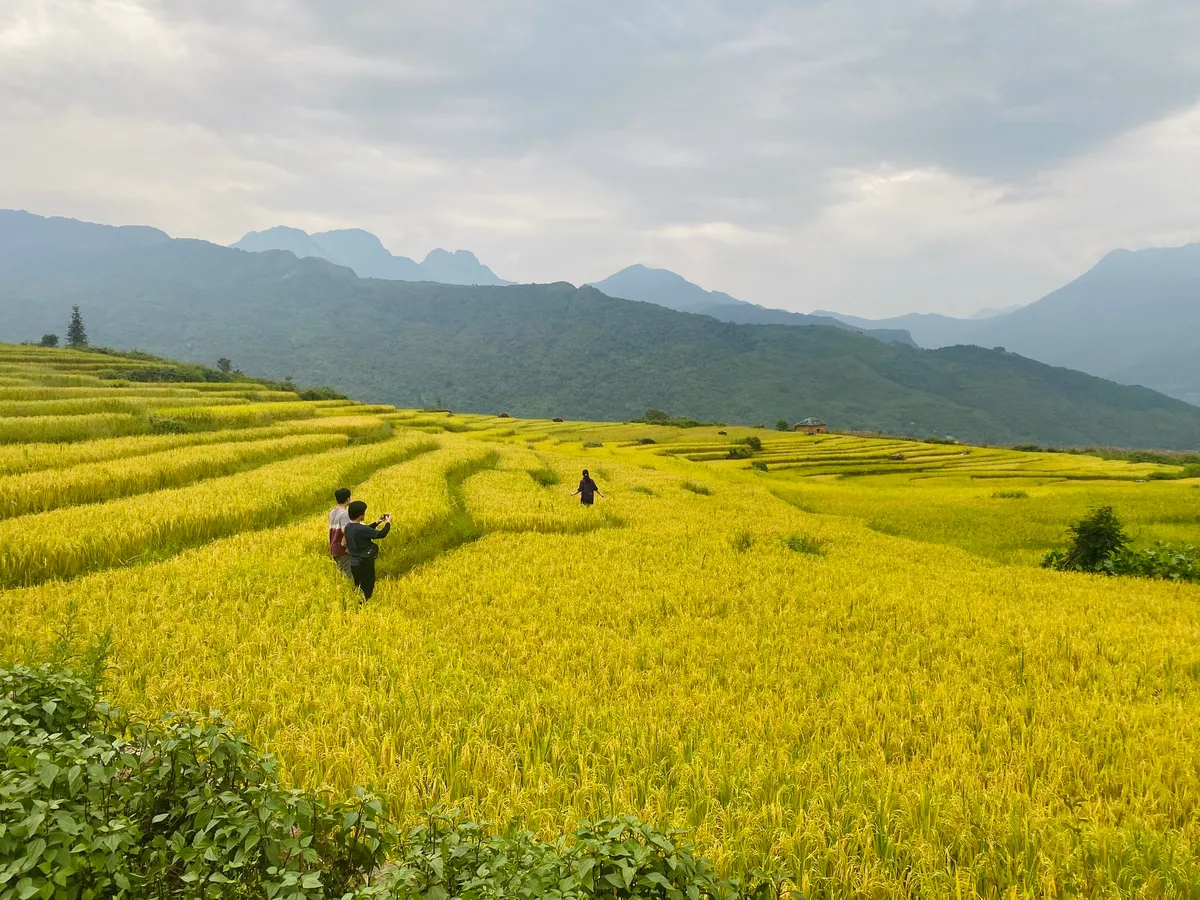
(437, 254)
(18, 229)
(670, 289)
(365, 253)
(1133, 317)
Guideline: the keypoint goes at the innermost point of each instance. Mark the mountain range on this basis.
(665, 288)
(365, 254)
(540, 350)
(1133, 318)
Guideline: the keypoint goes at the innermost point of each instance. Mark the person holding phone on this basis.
(360, 542)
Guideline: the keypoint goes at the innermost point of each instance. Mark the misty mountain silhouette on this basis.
(666, 288)
(363, 252)
(1134, 318)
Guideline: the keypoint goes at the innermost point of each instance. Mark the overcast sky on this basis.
(869, 156)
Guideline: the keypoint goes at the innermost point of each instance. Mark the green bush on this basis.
(739, 451)
(545, 476)
(782, 425)
(1163, 560)
(759, 465)
(659, 417)
(321, 393)
(94, 803)
(617, 858)
(1010, 495)
(169, 373)
(1099, 544)
(1096, 539)
(696, 488)
(647, 441)
(592, 445)
(753, 442)
(163, 425)
(181, 807)
(1190, 470)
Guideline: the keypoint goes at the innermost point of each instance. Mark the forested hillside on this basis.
(547, 350)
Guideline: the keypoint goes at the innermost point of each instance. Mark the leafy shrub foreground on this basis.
(96, 804)
(1100, 544)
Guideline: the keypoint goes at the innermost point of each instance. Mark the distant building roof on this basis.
(811, 420)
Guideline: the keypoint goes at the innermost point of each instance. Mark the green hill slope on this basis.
(547, 350)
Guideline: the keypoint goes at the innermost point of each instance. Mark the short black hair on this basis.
(357, 510)
(341, 495)
(585, 474)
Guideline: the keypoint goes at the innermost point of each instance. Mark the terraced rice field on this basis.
(847, 667)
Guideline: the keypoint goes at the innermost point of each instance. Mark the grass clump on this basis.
(545, 476)
(642, 489)
(1010, 495)
(805, 543)
(759, 465)
(161, 425)
(696, 488)
(741, 541)
(592, 445)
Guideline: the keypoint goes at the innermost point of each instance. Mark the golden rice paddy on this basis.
(847, 667)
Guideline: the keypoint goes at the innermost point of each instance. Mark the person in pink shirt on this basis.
(339, 518)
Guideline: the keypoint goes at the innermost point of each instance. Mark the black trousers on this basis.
(364, 577)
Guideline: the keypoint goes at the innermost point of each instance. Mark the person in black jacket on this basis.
(360, 541)
(587, 490)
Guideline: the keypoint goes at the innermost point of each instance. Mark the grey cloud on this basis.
(638, 116)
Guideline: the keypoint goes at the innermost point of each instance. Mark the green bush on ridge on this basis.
(96, 803)
(1100, 544)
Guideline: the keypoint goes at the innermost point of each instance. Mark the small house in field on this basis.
(811, 426)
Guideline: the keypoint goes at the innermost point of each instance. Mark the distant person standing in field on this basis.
(360, 542)
(587, 490)
(339, 518)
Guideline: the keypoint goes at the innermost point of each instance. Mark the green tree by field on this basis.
(48, 340)
(77, 338)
